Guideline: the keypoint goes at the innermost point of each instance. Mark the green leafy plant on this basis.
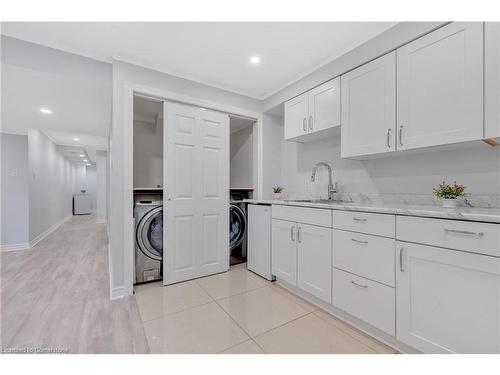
(447, 191)
(278, 189)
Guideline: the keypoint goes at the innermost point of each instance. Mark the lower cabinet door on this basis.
(447, 301)
(365, 299)
(314, 259)
(284, 251)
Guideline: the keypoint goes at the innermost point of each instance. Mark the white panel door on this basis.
(296, 114)
(196, 193)
(447, 301)
(440, 87)
(314, 260)
(369, 108)
(492, 79)
(324, 106)
(284, 250)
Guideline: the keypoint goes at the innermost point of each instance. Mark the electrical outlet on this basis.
(14, 172)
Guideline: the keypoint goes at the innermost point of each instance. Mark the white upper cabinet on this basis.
(492, 80)
(296, 116)
(313, 114)
(440, 87)
(369, 108)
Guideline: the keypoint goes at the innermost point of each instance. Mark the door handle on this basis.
(359, 285)
(292, 233)
(304, 125)
(401, 259)
(358, 219)
(299, 235)
(479, 234)
(400, 135)
(359, 241)
(310, 123)
(389, 138)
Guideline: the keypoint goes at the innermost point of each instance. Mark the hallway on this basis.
(56, 296)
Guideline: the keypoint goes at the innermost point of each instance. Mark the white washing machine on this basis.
(148, 240)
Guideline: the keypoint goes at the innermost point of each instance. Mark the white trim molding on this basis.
(53, 228)
(15, 247)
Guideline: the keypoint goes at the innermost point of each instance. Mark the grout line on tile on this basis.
(175, 312)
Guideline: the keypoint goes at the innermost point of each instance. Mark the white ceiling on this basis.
(213, 53)
(78, 104)
(86, 145)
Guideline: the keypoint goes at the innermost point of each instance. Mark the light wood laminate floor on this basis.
(56, 296)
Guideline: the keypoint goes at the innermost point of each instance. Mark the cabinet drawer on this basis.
(364, 222)
(483, 238)
(365, 255)
(367, 300)
(306, 215)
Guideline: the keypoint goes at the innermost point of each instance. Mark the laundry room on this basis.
(148, 191)
(242, 176)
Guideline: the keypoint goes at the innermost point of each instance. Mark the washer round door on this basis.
(237, 226)
(149, 234)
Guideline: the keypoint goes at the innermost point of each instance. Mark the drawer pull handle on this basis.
(359, 285)
(358, 219)
(359, 241)
(292, 233)
(401, 259)
(480, 234)
(299, 235)
(304, 125)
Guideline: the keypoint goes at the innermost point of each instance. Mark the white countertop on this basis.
(491, 215)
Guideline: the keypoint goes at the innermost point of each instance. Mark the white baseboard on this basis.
(118, 292)
(15, 247)
(101, 221)
(43, 235)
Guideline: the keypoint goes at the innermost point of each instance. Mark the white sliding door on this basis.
(195, 193)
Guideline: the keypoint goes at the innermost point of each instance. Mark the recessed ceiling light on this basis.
(76, 139)
(47, 111)
(255, 60)
(85, 160)
(82, 156)
(89, 165)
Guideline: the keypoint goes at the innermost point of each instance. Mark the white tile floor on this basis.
(239, 312)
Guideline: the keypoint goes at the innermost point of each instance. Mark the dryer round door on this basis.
(149, 234)
(237, 226)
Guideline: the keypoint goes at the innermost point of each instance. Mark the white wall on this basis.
(15, 191)
(92, 185)
(102, 180)
(50, 185)
(404, 178)
(272, 144)
(148, 155)
(80, 180)
(242, 160)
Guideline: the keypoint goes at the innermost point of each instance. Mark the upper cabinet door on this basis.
(492, 80)
(440, 87)
(324, 106)
(296, 117)
(369, 108)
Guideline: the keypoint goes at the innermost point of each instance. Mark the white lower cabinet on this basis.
(365, 299)
(447, 301)
(302, 250)
(314, 260)
(284, 251)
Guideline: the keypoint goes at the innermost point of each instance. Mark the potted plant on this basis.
(449, 193)
(278, 192)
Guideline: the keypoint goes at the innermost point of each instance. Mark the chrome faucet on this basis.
(331, 189)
